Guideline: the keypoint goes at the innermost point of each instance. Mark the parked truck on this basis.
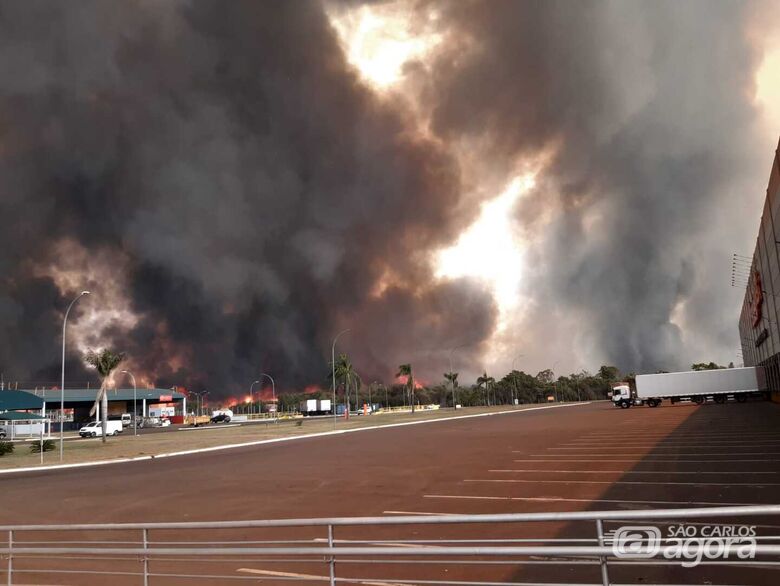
(311, 407)
(697, 386)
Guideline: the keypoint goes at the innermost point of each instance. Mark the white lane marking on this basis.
(642, 456)
(574, 500)
(740, 472)
(685, 436)
(223, 426)
(583, 445)
(280, 440)
(644, 460)
(312, 577)
(540, 481)
(675, 450)
(416, 513)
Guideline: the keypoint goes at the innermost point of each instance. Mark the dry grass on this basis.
(187, 438)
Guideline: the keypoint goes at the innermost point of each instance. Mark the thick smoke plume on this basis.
(227, 169)
(235, 195)
(657, 173)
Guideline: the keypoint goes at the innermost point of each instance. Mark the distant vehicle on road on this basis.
(125, 418)
(95, 429)
(197, 420)
(315, 407)
(697, 386)
(221, 416)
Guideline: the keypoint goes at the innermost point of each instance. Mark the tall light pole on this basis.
(62, 382)
(514, 378)
(333, 365)
(196, 411)
(135, 392)
(251, 395)
(273, 388)
(555, 383)
(452, 382)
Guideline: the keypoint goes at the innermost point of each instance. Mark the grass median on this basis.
(184, 438)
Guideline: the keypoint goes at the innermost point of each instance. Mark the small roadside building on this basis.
(78, 402)
(17, 417)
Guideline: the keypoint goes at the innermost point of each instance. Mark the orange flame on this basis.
(404, 379)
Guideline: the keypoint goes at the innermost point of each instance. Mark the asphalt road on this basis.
(563, 459)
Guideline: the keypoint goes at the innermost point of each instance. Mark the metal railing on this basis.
(490, 543)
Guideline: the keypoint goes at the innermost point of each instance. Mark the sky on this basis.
(505, 185)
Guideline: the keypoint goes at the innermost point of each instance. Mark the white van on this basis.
(95, 429)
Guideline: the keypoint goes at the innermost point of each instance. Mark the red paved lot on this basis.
(562, 459)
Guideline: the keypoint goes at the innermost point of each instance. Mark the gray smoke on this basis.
(657, 165)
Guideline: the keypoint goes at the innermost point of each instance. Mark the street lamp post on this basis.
(251, 395)
(514, 379)
(135, 399)
(333, 365)
(370, 404)
(62, 382)
(196, 411)
(555, 383)
(452, 382)
(273, 390)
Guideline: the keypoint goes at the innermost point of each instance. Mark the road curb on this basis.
(55, 467)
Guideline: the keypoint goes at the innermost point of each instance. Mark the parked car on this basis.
(95, 429)
(220, 418)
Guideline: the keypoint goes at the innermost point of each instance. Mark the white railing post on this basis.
(10, 557)
(602, 559)
(146, 557)
(332, 562)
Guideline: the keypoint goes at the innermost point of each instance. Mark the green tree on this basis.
(452, 379)
(545, 376)
(406, 370)
(609, 373)
(706, 366)
(105, 362)
(487, 382)
(348, 375)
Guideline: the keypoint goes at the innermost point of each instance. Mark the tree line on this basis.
(515, 386)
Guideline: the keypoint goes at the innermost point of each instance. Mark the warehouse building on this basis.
(760, 315)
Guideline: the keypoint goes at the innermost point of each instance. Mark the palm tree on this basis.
(406, 370)
(452, 377)
(487, 381)
(346, 372)
(105, 362)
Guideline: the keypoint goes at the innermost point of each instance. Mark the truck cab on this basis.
(621, 395)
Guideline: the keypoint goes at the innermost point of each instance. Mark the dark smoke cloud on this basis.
(647, 108)
(253, 192)
(253, 197)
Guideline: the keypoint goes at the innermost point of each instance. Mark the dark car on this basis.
(221, 418)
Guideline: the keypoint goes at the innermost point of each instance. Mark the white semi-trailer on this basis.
(311, 407)
(697, 385)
